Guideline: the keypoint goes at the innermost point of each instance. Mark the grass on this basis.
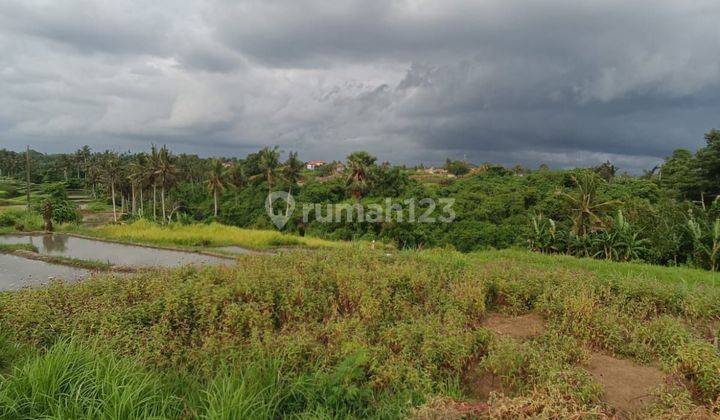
(211, 235)
(604, 269)
(78, 263)
(98, 206)
(339, 333)
(12, 220)
(10, 248)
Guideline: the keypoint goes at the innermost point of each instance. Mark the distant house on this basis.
(314, 164)
(340, 167)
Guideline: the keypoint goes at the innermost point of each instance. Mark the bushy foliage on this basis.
(343, 333)
(63, 209)
(20, 220)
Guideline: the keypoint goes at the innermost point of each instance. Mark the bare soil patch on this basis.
(627, 385)
(478, 383)
(521, 327)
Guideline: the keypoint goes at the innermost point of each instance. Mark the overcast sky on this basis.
(564, 83)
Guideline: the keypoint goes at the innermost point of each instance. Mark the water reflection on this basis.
(113, 253)
(54, 243)
(16, 272)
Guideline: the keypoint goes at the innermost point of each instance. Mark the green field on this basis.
(356, 333)
(205, 235)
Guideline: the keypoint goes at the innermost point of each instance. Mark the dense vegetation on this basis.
(340, 333)
(667, 216)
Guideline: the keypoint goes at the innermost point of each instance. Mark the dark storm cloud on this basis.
(554, 81)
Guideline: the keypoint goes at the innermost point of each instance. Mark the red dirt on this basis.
(627, 385)
(520, 327)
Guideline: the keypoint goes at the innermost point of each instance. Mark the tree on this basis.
(605, 171)
(292, 173)
(112, 175)
(679, 173)
(292, 169)
(268, 164)
(586, 208)
(457, 167)
(236, 176)
(708, 164)
(152, 169)
(138, 174)
(166, 173)
(359, 167)
(216, 182)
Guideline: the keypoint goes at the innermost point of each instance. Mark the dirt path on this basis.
(627, 385)
(520, 327)
(480, 383)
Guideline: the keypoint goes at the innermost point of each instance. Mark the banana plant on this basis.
(544, 235)
(606, 242)
(706, 240)
(580, 246)
(633, 247)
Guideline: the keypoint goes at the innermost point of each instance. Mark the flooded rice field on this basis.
(113, 253)
(17, 272)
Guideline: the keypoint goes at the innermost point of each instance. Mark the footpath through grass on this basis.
(206, 235)
(348, 333)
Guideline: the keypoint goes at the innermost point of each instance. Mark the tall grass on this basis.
(211, 235)
(69, 381)
(74, 381)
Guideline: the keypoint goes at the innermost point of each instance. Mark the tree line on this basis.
(668, 215)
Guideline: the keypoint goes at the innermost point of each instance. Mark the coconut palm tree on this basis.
(166, 173)
(153, 165)
(292, 169)
(236, 176)
(586, 208)
(93, 173)
(137, 175)
(112, 175)
(216, 181)
(292, 173)
(359, 166)
(268, 164)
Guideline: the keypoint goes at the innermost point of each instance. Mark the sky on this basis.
(560, 82)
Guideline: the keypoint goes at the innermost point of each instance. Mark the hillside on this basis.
(342, 333)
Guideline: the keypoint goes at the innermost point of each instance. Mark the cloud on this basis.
(551, 81)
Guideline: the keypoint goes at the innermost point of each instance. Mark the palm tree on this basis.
(166, 172)
(586, 208)
(292, 173)
(112, 175)
(359, 165)
(137, 176)
(236, 176)
(268, 165)
(94, 173)
(216, 182)
(153, 166)
(292, 169)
